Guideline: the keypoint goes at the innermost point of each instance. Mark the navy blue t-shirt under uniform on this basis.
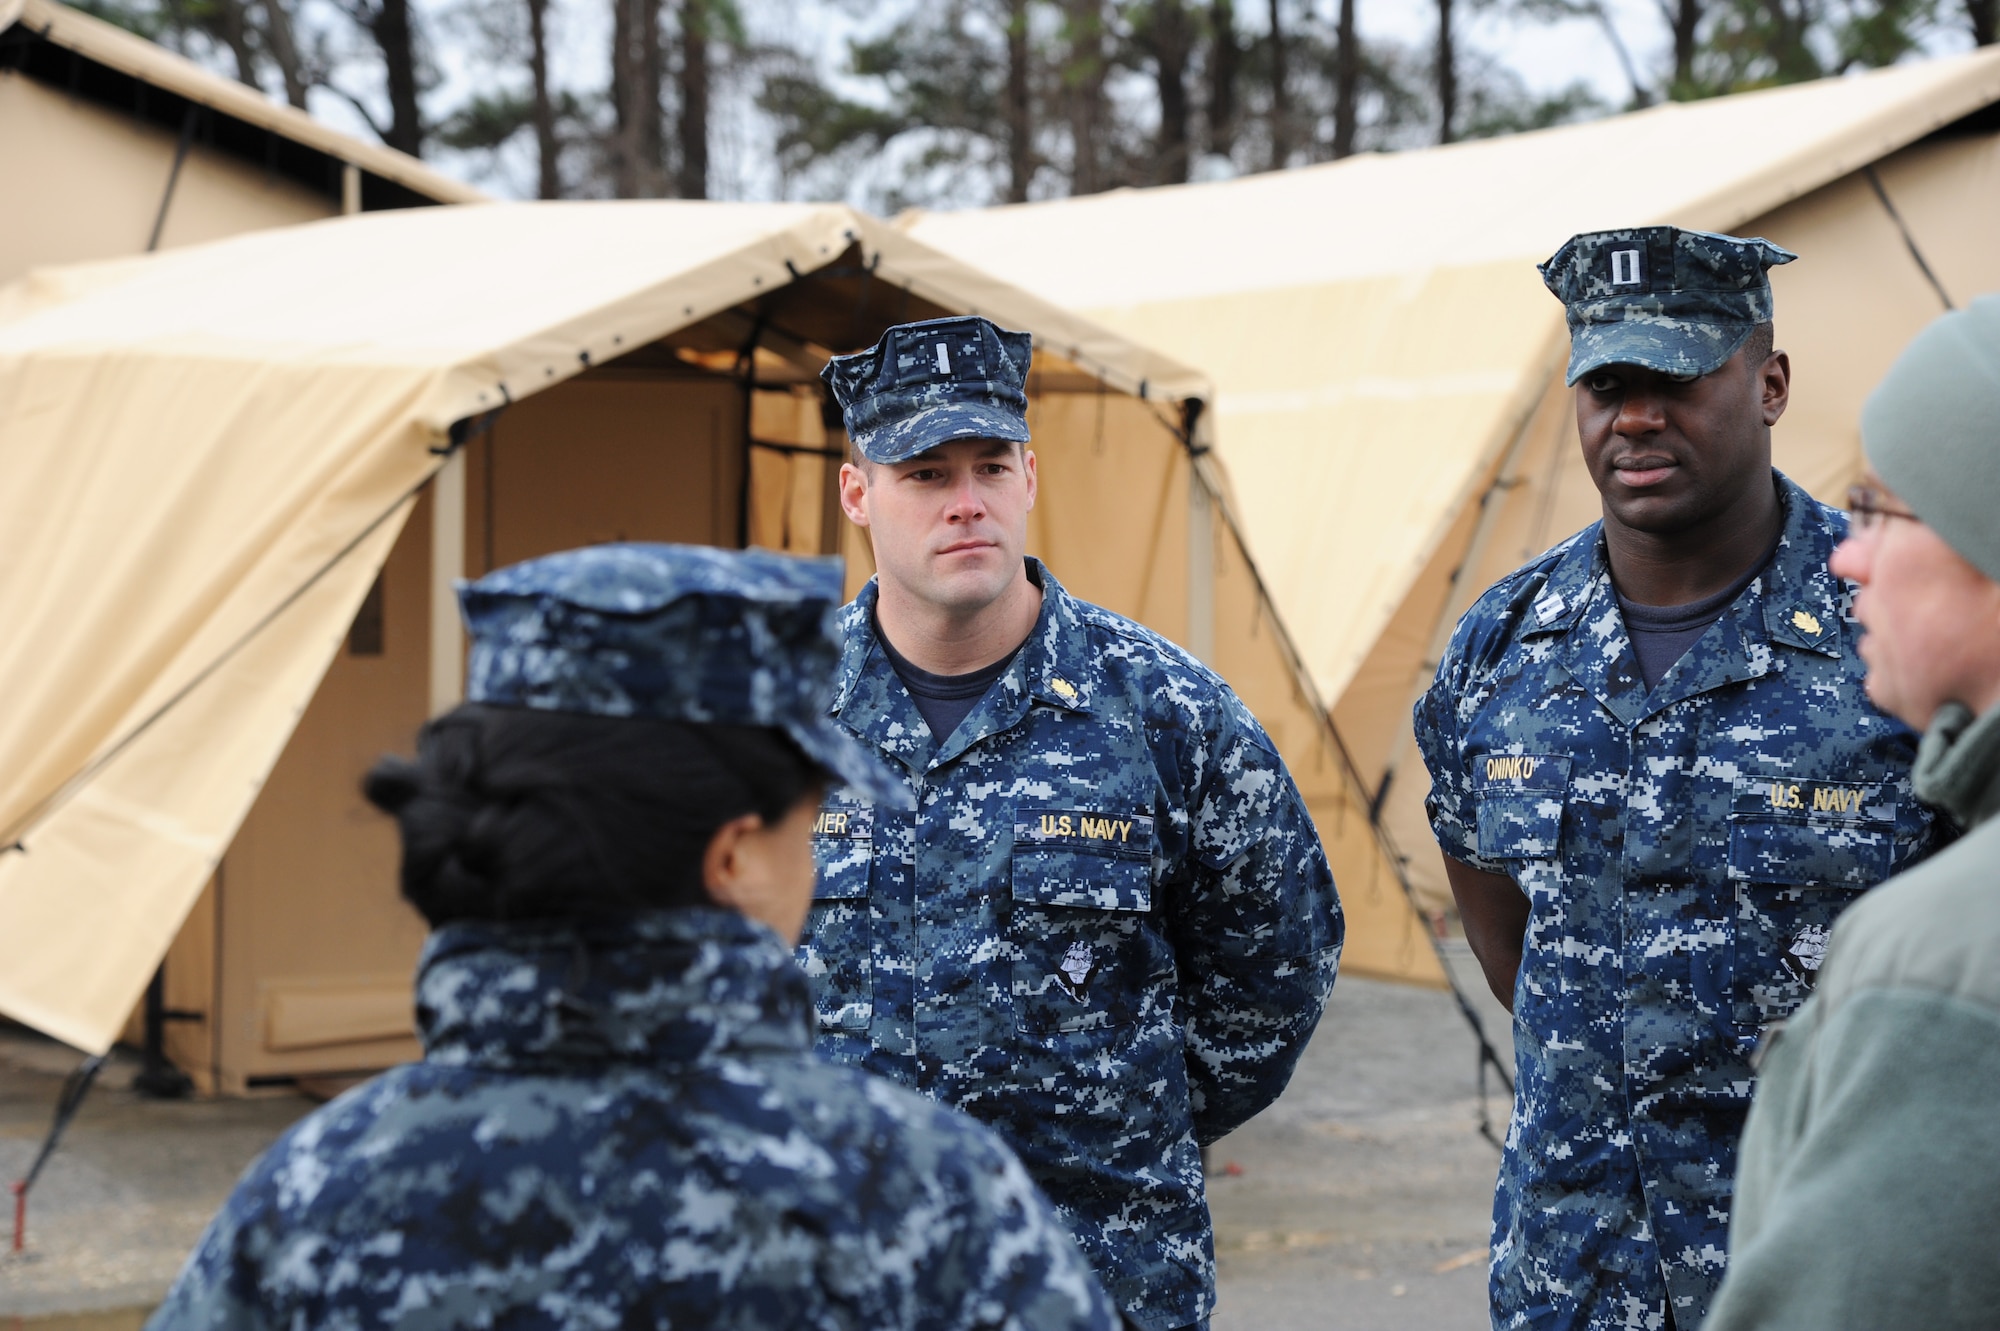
(943, 700)
(1661, 634)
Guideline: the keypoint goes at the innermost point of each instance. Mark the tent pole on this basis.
(1200, 541)
(447, 567)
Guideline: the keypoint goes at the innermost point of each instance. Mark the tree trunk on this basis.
(1281, 94)
(1346, 82)
(396, 36)
(1223, 60)
(1020, 107)
(1985, 16)
(628, 77)
(1447, 76)
(1172, 40)
(695, 28)
(652, 105)
(285, 51)
(1687, 24)
(233, 27)
(1085, 85)
(549, 184)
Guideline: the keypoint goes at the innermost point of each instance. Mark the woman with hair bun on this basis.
(618, 1120)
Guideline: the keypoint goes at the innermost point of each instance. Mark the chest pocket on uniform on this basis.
(1082, 892)
(834, 951)
(1520, 800)
(1799, 853)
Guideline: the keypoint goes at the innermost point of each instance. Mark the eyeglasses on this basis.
(1869, 511)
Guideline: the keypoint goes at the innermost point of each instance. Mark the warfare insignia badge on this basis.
(1074, 972)
(1806, 951)
(1806, 623)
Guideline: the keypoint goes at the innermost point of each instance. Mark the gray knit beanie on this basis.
(1932, 430)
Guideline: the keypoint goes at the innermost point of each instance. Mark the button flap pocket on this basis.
(1067, 857)
(1827, 854)
(1520, 803)
(1804, 833)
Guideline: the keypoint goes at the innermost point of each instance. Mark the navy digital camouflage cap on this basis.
(674, 633)
(1680, 302)
(925, 384)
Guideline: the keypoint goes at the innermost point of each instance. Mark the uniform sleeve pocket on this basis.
(1521, 799)
(836, 946)
(1086, 954)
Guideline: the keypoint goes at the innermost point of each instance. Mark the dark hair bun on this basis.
(508, 813)
(392, 783)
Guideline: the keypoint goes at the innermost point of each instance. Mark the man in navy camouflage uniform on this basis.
(1656, 781)
(1108, 928)
(618, 1120)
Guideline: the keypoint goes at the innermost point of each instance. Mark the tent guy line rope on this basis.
(1909, 241)
(1488, 1055)
(14, 838)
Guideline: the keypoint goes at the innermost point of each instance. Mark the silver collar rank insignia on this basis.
(1077, 964)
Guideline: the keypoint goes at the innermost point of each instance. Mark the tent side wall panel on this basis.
(317, 946)
(86, 183)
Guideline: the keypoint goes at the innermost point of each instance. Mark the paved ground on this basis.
(1357, 1203)
(1365, 1192)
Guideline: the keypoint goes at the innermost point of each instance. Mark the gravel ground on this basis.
(1357, 1203)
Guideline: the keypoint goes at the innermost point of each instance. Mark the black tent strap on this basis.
(1909, 241)
(74, 1088)
(14, 838)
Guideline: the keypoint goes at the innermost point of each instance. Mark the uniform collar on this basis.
(1796, 603)
(659, 988)
(1053, 668)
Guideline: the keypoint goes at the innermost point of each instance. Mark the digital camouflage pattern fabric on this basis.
(1684, 853)
(925, 384)
(1680, 302)
(1106, 931)
(622, 1124)
(671, 632)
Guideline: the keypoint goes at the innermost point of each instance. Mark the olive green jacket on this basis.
(1868, 1190)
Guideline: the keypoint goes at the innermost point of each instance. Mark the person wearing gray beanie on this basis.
(1868, 1190)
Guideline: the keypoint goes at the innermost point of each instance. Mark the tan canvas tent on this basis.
(1390, 405)
(243, 476)
(112, 145)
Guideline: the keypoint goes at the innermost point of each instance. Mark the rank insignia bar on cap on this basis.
(926, 384)
(1679, 302)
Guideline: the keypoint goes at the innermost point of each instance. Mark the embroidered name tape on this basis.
(1841, 800)
(1123, 834)
(1521, 771)
(853, 822)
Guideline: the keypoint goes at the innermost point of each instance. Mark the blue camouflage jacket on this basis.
(1106, 931)
(621, 1124)
(1684, 853)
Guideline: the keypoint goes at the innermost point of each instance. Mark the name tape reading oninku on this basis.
(1116, 833)
(856, 823)
(1809, 799)
(1523, 771)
